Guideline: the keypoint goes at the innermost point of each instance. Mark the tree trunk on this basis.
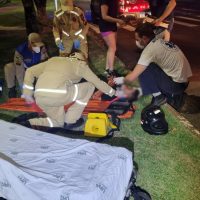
(41, 11)
(30, 16)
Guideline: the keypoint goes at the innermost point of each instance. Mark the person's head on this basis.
(144, 33)
(66, 5)
(130, 93)
(35, 42)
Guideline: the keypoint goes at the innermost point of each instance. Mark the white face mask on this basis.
(139, 45)
(36, 49)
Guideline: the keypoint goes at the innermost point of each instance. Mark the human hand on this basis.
(157, 22)
(29, 99)
(77, 44)
(60, 45)
(121, 22)
(120, 93)
(97, 95)
(111, 81)
(119, 80)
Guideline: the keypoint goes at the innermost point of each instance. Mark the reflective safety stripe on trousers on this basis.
(75, 93)
(81, 103)
(50, 122)
(52, 91)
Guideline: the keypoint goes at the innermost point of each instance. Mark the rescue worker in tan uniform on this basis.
(29, 53)
(60, 86)
(70, 29)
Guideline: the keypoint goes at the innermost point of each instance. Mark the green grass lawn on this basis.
(169, 166)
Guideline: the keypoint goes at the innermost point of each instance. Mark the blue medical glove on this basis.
(60, 45)
(77, 44)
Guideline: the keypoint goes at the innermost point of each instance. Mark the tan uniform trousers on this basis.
(68, 45)
(54, 107)
(13, 72)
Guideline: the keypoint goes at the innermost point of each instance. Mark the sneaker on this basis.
(78, 123)
(158, 100)
(12, 92)
(25, 123)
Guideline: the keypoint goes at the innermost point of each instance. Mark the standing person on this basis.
(163, 10)
(163, 70)
(70, 29)
(108, 27)
(29, 53)
(59, 86)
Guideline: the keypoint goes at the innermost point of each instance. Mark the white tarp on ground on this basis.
(39, 166)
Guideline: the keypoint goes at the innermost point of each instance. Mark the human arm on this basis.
(83, 22)
(167, 12)
(18, 58)
(106, 17)
(139, 69)
(85, 72)
(44, 54)
(57, 33)
(30, 75)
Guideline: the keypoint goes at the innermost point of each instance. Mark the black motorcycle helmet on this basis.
(153, 121)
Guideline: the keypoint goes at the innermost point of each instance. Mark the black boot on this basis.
(78, 123)
(25, 123)
(158, 100)
(12, 92)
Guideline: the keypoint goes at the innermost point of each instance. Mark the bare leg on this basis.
(111, 43)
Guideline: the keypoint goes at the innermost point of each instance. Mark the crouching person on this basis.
(58, 86)
(163, 70)
(26, 55)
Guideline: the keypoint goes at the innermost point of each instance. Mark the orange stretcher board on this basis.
(19, 104)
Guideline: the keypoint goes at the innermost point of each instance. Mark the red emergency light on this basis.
(133, 6)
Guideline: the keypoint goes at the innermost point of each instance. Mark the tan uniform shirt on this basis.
(69, 24)
(56, 74)
(169, 58)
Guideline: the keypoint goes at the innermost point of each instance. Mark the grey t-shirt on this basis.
(169, 58)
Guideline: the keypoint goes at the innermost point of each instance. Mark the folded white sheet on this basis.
(39, 166)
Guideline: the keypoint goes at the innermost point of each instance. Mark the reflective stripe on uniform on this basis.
(74, 13)
(65, 33)
(57, 39)
(59, 14)
(28, 87)
(81, 36)
(76, 93)
(81, 103)
(51, 91)
(78, 32)
(111, 91)
(50, 122)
